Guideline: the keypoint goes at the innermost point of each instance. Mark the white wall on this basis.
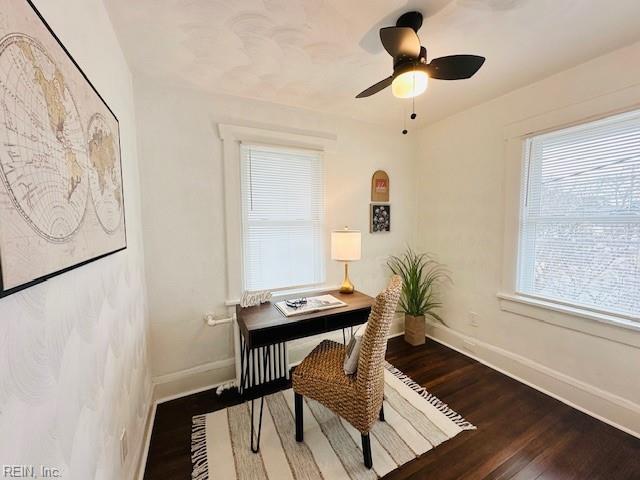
(456, 168)
(183, 212)
(461, 214)
(73, 350)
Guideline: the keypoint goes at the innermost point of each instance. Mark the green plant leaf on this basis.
(421, 276)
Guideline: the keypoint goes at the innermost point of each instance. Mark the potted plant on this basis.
(420, 274)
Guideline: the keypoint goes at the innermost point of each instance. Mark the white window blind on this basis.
(283, 215)
(580, 216)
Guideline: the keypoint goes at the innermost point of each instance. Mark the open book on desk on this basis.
(312, 304)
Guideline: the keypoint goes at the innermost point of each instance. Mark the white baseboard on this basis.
(146, 441)
(618, 412)
(193, 380)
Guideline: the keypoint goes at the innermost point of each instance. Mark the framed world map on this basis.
(61, 193)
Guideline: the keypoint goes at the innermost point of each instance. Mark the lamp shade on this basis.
(346, 245)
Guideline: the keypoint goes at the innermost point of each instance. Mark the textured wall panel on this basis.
(73, 350)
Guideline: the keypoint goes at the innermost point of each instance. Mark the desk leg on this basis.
(258, 367)
(255, 439)
(243, 368)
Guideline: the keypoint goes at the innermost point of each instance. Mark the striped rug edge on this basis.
(199, 448)
(451, 414)
(199, 425)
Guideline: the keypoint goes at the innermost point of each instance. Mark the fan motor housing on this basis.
(410, 19)
(405, 65)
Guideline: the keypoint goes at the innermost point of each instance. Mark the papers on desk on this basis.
(313, 304)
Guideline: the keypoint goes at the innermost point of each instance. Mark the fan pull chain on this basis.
(404, 120)
(413, 100)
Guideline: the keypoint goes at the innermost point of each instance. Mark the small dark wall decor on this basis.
(380, 218)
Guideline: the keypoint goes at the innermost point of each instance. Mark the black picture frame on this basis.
(43, 278)
(379, 218)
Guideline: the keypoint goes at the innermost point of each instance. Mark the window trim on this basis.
(611, 327)
(231, 136)
(616, 327)
(627, 321)
(525, 261)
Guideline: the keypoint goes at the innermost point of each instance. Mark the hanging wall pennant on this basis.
(380, 186)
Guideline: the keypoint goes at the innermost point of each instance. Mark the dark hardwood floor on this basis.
(522, 433)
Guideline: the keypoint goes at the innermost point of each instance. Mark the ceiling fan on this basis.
(411, 72)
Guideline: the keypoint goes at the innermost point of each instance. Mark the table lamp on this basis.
(346, 247)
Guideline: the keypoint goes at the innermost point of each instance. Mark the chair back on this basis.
(370, 373)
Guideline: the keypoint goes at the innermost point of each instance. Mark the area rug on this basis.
(415, 422)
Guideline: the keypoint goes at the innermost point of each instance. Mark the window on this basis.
(282, 208)
(580, 216)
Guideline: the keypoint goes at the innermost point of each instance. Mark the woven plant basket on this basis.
(414, 329)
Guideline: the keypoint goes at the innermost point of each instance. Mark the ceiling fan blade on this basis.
(400, 41)
(455, 67)
(381, 85)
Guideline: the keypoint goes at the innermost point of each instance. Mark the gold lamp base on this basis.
(347, 286)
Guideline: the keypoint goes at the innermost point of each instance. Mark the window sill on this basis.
(611, 327)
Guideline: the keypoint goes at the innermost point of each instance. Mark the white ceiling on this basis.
(319, 54)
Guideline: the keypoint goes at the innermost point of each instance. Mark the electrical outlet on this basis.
(474, 319)
(124, 447)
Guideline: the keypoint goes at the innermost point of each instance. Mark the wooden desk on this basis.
(264, 331)
(265, 324)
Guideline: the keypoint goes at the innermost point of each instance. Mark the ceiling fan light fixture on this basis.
(411, 71)
(410, 84)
